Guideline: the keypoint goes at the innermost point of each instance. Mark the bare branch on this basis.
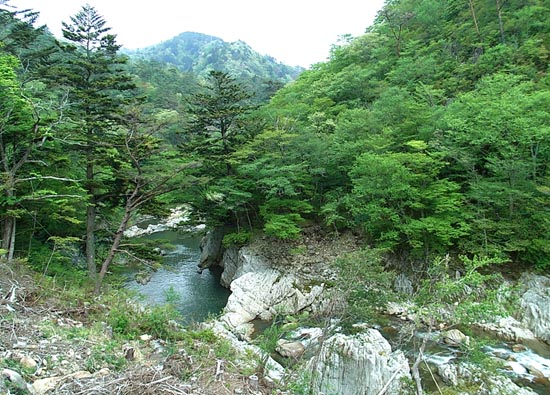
(46, 178)
(42, 197)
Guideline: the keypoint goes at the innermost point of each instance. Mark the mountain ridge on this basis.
(199, 53)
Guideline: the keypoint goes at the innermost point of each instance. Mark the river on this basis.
(195, 295)
(513, 363)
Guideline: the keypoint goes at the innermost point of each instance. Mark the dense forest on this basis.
(428, 135)
(199, 53)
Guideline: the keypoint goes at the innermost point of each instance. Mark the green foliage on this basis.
(236, 239)
(301, 384)
(470, 293)
(497, 140)
(171, 295)
(105, 355)
(57, 261)
(268, 339)
(365, 284)
(427, 135)
(283, 226)
(129, 321)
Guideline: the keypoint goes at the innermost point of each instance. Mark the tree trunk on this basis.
(90, 221)
(90, 239)
(474, 17)
(11, 249)
(114, 247)
(7, 234)
(500, 24)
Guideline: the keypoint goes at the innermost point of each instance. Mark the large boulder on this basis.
(455, 338)
(266, 293)
(362, 364)
(259, 291)
(535, 305)
(237, 262)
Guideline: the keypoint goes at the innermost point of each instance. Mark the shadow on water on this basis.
(195, 295)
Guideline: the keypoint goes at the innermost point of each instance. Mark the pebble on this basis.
(518, 348)
(28, 362)
(20, 344)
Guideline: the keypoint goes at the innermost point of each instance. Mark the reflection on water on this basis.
(195, 295)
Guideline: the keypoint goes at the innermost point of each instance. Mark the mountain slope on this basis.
(198, 53)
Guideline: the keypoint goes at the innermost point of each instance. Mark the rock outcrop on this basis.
(358, 365)
(487, 384)
(212, 248)
(259, 291)
(508, 328)
(177, 217)
(535, 305)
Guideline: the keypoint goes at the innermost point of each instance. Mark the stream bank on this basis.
(273, 279)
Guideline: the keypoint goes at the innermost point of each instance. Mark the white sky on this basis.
(295, 32)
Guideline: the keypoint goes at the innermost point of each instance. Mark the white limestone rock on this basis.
(358, 365)
(535, 305)
(508, 328)
(259, 291)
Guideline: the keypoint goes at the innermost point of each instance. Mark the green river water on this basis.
(195, 295)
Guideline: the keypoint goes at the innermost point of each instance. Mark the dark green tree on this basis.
(215, 131)
(34, 178)
(99, 88)
(216, 127)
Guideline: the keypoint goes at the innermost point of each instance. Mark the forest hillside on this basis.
(424, 142)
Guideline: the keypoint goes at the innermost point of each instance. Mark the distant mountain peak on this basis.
(198, 53)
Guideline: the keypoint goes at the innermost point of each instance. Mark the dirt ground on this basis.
(46, 348)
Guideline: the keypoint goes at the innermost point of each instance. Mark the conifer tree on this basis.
(99, 89)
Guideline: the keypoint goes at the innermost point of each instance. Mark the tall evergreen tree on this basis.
(99, 88)
(29, 112)
(216, 130)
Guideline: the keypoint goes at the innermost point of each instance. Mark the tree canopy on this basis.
(426, 135)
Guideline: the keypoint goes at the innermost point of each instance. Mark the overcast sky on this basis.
(295, 32)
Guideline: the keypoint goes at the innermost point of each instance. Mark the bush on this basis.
(367, 286)
(157, 321)
(236, 239)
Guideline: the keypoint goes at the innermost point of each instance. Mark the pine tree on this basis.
(99, 88)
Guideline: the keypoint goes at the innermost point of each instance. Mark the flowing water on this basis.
(515, 363)
(199, 295)
(195, 295)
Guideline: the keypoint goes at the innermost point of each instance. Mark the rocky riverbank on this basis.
(268, 281)
(55, 340)
(50, 344)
